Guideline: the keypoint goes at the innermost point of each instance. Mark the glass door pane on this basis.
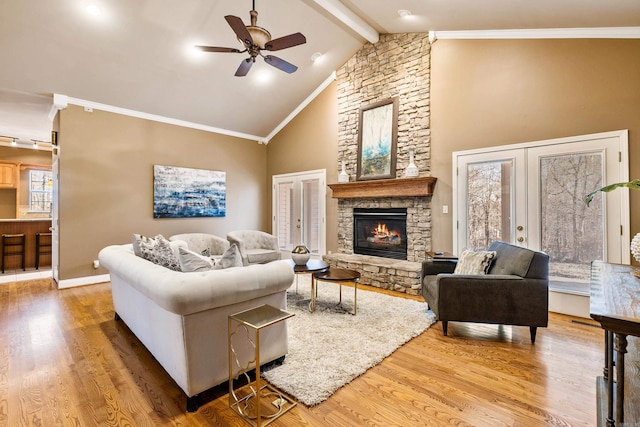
(571, 233)
(489, 190)
(489, 203)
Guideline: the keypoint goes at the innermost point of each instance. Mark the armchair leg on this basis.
(533, 330)
(445, 323)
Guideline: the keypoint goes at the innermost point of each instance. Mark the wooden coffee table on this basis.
(336, 275)
(312, 266)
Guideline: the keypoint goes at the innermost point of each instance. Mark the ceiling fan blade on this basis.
(244, 67)
(286, 41)
(280, 64)
(241, 31)
(218, 49)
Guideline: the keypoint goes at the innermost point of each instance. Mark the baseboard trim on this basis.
(82, 281)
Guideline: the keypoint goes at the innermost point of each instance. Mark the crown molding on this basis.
(141, 115)
(542, 33)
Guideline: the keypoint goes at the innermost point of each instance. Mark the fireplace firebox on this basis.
(380, 232)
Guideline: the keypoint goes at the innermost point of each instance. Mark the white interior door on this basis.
(299, 210)
(533, 195)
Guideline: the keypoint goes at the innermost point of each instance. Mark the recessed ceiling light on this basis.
(404, 13)
(93, 9)
(316, 56)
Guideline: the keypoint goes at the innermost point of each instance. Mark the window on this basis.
(40, 190)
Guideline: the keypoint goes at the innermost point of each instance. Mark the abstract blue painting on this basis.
(188, 193)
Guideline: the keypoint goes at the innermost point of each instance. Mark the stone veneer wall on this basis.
(397, 66)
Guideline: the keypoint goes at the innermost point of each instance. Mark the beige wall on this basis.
(309, 142)
(495, 92)
(106, 182)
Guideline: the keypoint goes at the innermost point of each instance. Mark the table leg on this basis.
(609, 376)
(621, 349)
(355, 297)
(314, 291)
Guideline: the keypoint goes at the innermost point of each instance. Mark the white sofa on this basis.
(182, 318)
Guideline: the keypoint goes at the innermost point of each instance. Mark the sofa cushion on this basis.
(191, 261)
(231, 258)
(261, 256)
(470, 262)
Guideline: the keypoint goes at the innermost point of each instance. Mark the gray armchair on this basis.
(515, 291)
(256, 247)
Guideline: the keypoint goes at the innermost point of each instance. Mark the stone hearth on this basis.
(384, 273)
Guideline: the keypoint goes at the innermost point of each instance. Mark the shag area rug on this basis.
(330, 347)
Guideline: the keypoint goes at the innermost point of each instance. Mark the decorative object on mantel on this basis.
(401, 187)
(412, 170)
(343, 176)
(300, 255)
(377, 140)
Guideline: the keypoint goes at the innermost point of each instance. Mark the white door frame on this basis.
(616, 205)
(299, 177)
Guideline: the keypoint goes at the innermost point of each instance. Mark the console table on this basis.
(615, 304)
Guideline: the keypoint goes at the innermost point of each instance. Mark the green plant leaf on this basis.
(634, 185)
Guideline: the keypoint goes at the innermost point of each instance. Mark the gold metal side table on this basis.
(255, 401)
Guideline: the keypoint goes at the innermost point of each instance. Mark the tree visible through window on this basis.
(40, 190)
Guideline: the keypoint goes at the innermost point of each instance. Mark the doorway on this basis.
(532, 195)
(299, 210)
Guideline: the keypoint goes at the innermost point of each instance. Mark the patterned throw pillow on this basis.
(231, 258)
(191, 261)
(470, 262)
(158, 251)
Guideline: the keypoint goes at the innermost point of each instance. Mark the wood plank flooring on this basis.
(64, 361)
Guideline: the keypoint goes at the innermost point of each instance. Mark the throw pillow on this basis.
(158, 250)
(230, 258)
(470, 262)
(139, 240)
(191, 261)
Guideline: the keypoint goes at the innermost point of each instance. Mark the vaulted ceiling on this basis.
(139, 55)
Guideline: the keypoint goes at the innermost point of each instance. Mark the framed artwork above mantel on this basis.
(377, 140)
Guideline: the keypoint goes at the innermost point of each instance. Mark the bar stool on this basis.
(13, 244)
(42, 247)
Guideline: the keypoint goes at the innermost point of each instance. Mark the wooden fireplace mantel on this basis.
(401, 187)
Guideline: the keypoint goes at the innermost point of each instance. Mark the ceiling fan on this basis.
(256, 39)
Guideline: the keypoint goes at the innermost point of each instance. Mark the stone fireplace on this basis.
(397, 66)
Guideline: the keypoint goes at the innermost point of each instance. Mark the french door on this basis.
(532, 195)
(299, 210)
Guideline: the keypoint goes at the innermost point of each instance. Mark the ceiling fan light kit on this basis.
(256, 39)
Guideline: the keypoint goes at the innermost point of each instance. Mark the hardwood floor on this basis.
(64, 361)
